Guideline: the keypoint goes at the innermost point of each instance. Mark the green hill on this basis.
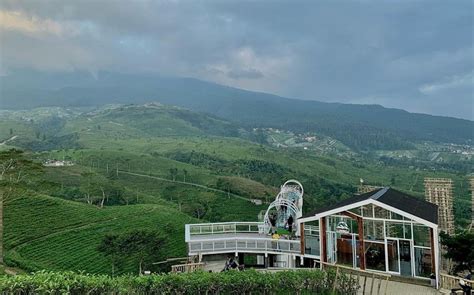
(157, 167)
(362, 127)
(42, 232)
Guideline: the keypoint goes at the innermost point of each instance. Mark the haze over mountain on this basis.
(358, 126)
(413, 55)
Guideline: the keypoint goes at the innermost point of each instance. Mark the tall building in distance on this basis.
(439, 191)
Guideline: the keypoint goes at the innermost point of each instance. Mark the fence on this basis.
(223, 228)
(371, 282)
(188, 267)
(449, 282)
(249, 245)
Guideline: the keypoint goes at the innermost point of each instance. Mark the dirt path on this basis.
(7, 140)
(187, 183)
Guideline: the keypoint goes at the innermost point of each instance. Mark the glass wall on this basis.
(393, 243)
(423, 267)
(375, 256)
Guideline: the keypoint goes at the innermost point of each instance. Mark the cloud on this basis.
(393, 52)
(245, 74)
(457, 81)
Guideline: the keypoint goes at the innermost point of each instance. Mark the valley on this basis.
(159, 167)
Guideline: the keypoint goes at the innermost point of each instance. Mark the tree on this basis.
(459, 248)
(110, 247)
(144, 246)
(173, 173)
(185, 173)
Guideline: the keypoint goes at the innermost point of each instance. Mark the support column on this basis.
(302, 238)
(434, 243)
(322, 224)
(360, 225)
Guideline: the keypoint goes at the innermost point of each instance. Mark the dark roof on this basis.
(389, 196)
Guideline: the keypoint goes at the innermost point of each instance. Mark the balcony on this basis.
(230, 237)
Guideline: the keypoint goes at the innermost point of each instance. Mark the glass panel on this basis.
(381, 213)
(311, 245)
(392, 248)
(344, 251)
(405, 258)
(422, 262)
(373, 230)
(394, 229)
(375, 256)
(421, 235)
(407, 231)
(356, 210)
(396, 216)
(367, 211)
(331, 246)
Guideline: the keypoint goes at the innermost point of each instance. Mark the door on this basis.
(405, 257)
(393, 256)
(332, 247)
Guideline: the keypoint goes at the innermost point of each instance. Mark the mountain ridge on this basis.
(362, 127)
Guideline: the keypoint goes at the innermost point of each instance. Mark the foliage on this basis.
(44, 232)
(144, 246)
(460, 249)
(233, 282)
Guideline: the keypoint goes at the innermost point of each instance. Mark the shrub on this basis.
(233, 282)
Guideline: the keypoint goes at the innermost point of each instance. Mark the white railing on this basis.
(236, 244)
(311, 230)
(188, 267)
(194, 230)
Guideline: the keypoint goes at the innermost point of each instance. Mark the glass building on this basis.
(384, 230)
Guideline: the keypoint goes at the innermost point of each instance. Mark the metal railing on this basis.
(249, 245)
(193, 230)
(449, 282)
(188, 267)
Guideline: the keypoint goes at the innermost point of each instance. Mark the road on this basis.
(187, 183)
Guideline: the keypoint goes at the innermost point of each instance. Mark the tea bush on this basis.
(246, 282)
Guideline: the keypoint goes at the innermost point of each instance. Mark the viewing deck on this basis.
(231, 237)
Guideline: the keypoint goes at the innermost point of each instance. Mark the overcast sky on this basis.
(414, 55)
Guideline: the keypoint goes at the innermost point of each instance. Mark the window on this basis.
(423, 266)
(375, 256)
(398, 230)
(421, 235)
(367, 211)
(373, 230)
(381, 213)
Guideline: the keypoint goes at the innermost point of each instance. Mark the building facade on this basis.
(382, 231)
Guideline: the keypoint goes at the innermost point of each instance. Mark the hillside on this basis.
(157, 167)
(362, 127)
(42, 232)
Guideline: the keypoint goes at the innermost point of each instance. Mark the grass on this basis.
(46, 230)
(42, 232)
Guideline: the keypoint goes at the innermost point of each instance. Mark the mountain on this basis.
(362, 127)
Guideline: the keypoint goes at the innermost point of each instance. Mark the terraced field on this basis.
(49, 233)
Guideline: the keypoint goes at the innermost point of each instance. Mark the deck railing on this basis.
(188, 267)
(249, 245)
(449, 282)
(370, 282)
(193, 230)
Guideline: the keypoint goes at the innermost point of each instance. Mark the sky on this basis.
(414, 55)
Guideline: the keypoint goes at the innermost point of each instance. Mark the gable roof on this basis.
(393, 198)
